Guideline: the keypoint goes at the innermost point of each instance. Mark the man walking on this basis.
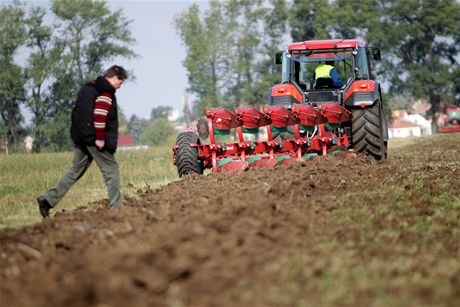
(94, 131)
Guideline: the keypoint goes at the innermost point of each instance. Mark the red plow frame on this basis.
(453, 121)
(238, 156)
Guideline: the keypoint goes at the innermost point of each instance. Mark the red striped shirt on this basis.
(101, 108)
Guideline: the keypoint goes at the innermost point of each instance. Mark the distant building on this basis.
(4, 144)
(29, 143)
(425, 125)
(402, 128)
(405, 125)
(126, 141)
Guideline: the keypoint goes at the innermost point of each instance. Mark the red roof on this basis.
(126, 140)
(325, 44)
(403, 123)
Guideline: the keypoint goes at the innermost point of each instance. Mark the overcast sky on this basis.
(160, 77)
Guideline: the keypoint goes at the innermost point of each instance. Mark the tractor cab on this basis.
(350, 60)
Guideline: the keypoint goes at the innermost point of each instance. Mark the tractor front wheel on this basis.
(187, 161)
(368, 131)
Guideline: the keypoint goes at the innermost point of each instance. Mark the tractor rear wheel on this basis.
(367, 131)
(187, 161)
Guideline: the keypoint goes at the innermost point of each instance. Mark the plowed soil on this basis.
(329, 231)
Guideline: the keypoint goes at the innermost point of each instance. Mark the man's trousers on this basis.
(83, 156)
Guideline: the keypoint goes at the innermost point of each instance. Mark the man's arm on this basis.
(101, 108)
(336, 79)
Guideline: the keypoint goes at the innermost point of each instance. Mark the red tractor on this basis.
(452, 120)
(304, 116)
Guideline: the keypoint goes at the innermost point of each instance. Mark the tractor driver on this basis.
(326, 76)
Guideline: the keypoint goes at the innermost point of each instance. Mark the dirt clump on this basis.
(326, 231)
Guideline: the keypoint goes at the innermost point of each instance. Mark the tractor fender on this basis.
(362, 93)
(285, 94)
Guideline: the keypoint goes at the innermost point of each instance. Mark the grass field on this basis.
(25, 176)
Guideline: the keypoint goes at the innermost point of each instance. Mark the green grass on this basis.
(25, 176)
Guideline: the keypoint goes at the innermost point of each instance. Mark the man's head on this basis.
(115, 75)
(330, 63)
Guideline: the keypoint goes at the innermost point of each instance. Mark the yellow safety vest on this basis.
(323, 71)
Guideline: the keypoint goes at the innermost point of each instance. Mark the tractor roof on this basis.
(324, 44)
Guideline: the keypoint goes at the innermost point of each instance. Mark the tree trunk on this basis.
(434, 101)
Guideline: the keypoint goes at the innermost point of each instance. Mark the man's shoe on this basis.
(44, 206)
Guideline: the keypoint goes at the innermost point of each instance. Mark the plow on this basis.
(452, 122)
(301, 120)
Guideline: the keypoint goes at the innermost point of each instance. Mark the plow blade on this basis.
(291, 160)
(307, 115)
(223, 119)
(335, 113)
(234, 167)
(280, 116)
(251, 117)
(264, 163)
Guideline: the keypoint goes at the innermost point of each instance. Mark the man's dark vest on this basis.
(82, 129)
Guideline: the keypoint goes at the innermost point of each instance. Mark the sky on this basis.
(161, 79)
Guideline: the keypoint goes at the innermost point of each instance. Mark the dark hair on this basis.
(118, 71)
(330, 63)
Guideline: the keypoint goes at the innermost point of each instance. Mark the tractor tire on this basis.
(367, 131)
(187, 161)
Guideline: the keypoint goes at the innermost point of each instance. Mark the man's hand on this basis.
(100, 144)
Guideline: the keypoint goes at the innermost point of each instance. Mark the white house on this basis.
(425, 125)
(402, 128)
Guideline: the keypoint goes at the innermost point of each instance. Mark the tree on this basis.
(419, 39)
(422, 44)
(41, 64)
(204, 41)
(92, 34)
(160, 112)
(12, 92)
(230, 50)
(136, 126)
(85, 36)
(157, 132)
(311, 19)
(275, 19)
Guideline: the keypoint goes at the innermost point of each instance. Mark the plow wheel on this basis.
(367, 132)
(187, 161)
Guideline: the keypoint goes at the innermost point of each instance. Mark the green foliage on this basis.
(160, 112)
(230, 50)
(202, 39)
(311, 19)
(42, 63)
(85, 36)
(135, 127)
(158, 132)
(422, 47)
(92, 34)
(12, 90)
(419, 39)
